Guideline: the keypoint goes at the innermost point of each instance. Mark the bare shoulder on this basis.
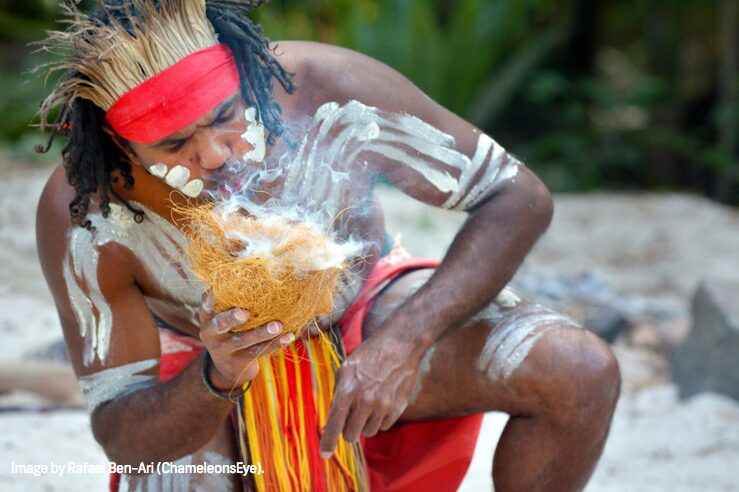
(327, 73)
(78, 270)
(54, 229)
(53, 224)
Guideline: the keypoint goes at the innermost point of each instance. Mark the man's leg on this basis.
(558, 383)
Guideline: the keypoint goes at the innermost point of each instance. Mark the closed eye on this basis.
(176, 145)
(226, 113)
(225, 117)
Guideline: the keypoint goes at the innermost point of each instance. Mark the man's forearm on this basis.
(161, 423)
(483, 257)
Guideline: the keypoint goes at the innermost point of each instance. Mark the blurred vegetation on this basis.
(636, 94)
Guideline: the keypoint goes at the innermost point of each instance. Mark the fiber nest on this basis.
(278, 270)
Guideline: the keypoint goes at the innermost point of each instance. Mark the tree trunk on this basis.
(728, 79)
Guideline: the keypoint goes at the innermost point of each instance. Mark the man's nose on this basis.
(213, 152)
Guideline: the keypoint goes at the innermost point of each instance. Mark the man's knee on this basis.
(575, 377)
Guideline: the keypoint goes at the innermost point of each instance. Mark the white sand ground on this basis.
(651, 245)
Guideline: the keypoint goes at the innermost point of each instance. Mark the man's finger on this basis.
(207, 301)
(373, 424)
(390, 420)
(271, 344)
(207, 304)
(227, 320)
(356, 422)
(334, 425)
(247, 338)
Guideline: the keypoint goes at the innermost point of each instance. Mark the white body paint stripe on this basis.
(339, 134)
(115, 382)
(155, 242)
(516, 333)
(484, 143)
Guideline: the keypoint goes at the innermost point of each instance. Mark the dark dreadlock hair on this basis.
(90, 155)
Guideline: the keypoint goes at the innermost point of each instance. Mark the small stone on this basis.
(707, 358)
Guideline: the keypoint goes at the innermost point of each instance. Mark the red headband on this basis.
(174, 98)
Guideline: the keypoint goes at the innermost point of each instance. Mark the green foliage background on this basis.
(590, 93)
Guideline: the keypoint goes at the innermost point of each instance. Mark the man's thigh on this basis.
(510, 357)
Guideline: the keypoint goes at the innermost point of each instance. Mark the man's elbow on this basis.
(531, 199)
(540, 203)
(111, 438)
(524, 195)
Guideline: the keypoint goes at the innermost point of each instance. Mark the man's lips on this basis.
(228, 189)
(229, 178)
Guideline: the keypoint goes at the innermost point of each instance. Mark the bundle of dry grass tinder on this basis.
(277, 269)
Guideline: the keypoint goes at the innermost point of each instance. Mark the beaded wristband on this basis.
(205, 361)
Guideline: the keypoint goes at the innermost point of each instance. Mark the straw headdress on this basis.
(104, 60)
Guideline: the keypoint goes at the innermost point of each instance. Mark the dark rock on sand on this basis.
(707, 359)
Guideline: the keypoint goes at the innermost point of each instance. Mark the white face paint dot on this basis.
(158, 170)
(177, 177)
(193, 188)
(251, 114)
(254, 134)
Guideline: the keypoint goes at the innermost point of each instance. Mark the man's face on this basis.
(195, 154)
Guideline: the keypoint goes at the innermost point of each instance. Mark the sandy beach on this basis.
(655, 247)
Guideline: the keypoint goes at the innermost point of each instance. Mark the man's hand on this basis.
(373, 389)
(235, 354)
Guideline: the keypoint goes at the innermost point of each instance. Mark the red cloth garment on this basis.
(175, 97)
(410, 456)
(177, 353)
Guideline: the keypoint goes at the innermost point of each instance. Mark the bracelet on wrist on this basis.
(205, 362)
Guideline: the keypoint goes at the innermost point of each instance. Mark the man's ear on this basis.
(121, 143)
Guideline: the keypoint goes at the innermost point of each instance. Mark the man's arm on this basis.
(176, 418)
(509, 208)
(483, 257)
(161, 423)
(134, 417)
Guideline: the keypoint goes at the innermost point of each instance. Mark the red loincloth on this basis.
(408, 457)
